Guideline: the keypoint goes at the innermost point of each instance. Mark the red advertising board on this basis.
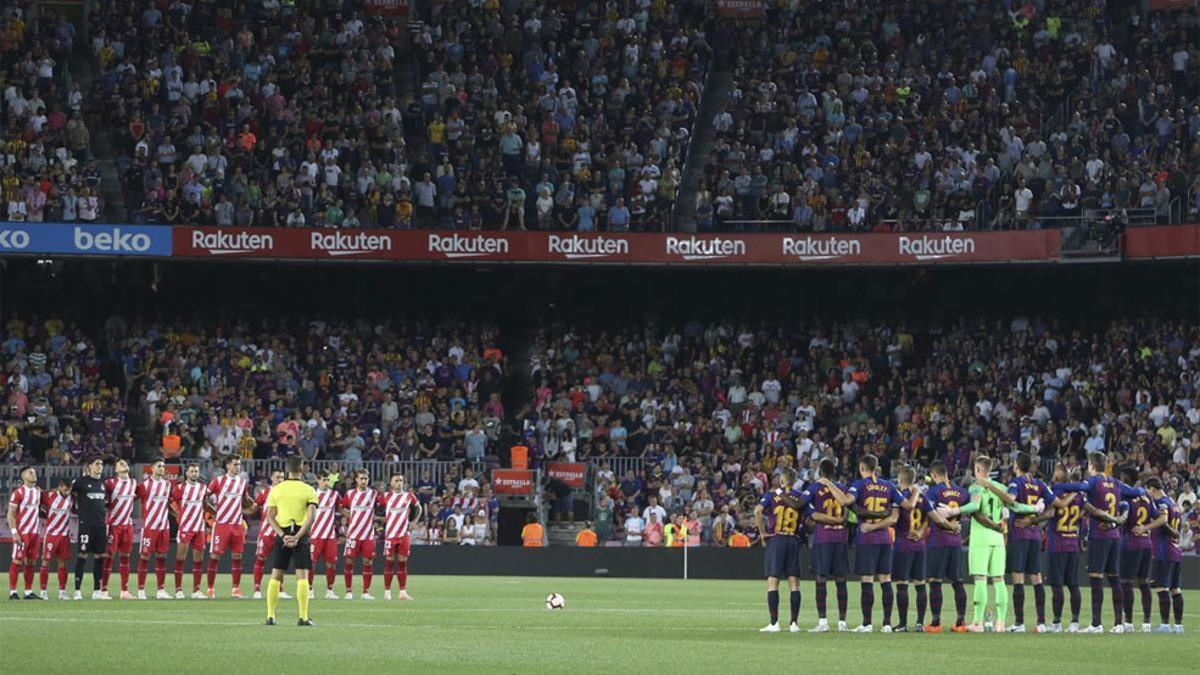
(386, 7)
(571, 473)
(512, 481)
(741, 9)
(644, 248)
(1163, 241)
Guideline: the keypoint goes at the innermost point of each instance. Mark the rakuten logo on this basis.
(114, 241)
(933, 248)
(340, 243)
(694, 248)
(458, 246)
(236, 243)
(14, 240)
(814, 249)
(576, 247)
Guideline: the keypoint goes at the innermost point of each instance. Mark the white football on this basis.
(555, 601)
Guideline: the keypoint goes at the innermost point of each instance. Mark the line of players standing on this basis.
(1129, 535)
(40, 523)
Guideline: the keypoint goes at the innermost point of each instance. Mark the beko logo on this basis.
(14, 239)
(114, 241)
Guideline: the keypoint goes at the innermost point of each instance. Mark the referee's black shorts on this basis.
(300, 555)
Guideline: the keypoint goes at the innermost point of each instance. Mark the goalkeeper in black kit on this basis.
(91, 505)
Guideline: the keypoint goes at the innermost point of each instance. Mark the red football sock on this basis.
(179, 574)
(29, 570)
(402, 574)
(237, 573)
(142, 574)
(197, 566)
(387, 575)
(14, 574)
(123, 566)
(160, 572)
(349, 575)
(258, 574)
(212, 571)
(44, 576)
(367, 570)
(62, 576)
(106, 570)
(330, 576)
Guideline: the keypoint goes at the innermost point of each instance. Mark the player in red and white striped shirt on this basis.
(323, 535)
(358, 507)
(189, 500)
(121, 493)
(266, 537)
(57, 547)
(229, 529)
(397, 506)
(155, 493)
(25, 522)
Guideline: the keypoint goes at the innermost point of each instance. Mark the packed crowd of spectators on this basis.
(347, 392)
(58, 406)
(46, 168)
(715, 410)
(259, 113)
(877, 116)
(538, 116)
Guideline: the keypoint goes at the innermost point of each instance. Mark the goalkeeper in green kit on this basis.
(986, 553)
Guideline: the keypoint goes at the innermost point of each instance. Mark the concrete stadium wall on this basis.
(658, 563)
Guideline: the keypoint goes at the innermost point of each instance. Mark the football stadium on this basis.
(593, 335)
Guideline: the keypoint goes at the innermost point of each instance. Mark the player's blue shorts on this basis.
(909, 566)
(1062, 569)
(1135, 564)
(944, 563)
(829, 561)
(1104, 557)
(1167, 574)
(782, 559)
(871, 559)
(1024, 556)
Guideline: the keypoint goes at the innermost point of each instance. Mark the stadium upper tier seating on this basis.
(853, 116)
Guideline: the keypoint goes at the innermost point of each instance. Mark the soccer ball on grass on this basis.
(555, 601)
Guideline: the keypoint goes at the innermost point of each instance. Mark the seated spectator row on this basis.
(713, 410)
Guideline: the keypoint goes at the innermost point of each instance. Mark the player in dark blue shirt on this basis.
(782, 507)
(830, 560)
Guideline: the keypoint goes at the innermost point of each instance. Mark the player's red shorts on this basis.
(58, 546)
(228, 537)
(323, 549)
(193, 540)
(399, 546)
(120, 539)
(27, 547)
(157, 542)
(360, 549)
(265, 546)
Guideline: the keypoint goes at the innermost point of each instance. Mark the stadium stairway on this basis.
(716, 95)
(103, 151)
(563, 534)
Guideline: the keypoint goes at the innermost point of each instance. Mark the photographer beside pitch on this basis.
(291, 507)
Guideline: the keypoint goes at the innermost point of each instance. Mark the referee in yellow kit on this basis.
(290, 509)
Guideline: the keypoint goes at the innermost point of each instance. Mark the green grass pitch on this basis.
(500, 625)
